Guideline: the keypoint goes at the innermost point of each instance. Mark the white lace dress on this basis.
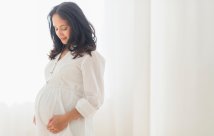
(71, 83)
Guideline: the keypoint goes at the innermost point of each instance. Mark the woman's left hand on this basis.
(57, 123)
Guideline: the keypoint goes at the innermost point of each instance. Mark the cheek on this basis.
(67, 34)
(63, 33)
(58, 33)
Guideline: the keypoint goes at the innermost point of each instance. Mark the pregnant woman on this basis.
(74, 87)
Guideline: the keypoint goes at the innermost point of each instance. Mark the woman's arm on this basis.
(92, 69)
(73, 115)
(58, 122)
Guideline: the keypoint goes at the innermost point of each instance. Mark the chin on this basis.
(64, 42)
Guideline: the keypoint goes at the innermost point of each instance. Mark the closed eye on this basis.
(62, 28)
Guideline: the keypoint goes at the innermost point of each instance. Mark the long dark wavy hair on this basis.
(82, 37)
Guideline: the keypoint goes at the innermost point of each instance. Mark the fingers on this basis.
(34, 120)
(50, 126)
(52, 129)
(50, 120)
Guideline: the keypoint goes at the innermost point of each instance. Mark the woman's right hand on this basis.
(34, 120)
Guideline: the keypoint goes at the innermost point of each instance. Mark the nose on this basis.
(59, 33)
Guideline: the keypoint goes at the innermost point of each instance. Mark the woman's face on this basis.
(62, 28)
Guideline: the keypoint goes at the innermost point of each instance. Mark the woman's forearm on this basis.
(73, 115)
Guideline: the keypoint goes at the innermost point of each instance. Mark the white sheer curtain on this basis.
(126, 45)
(159, 65)
(182, 68)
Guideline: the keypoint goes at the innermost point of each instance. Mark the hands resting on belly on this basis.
(59, 122)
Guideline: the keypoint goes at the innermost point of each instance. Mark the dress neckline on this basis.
(58, 59)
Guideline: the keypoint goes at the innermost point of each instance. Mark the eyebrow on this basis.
(60, 26)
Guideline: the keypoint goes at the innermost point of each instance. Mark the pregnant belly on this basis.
(54, 100)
